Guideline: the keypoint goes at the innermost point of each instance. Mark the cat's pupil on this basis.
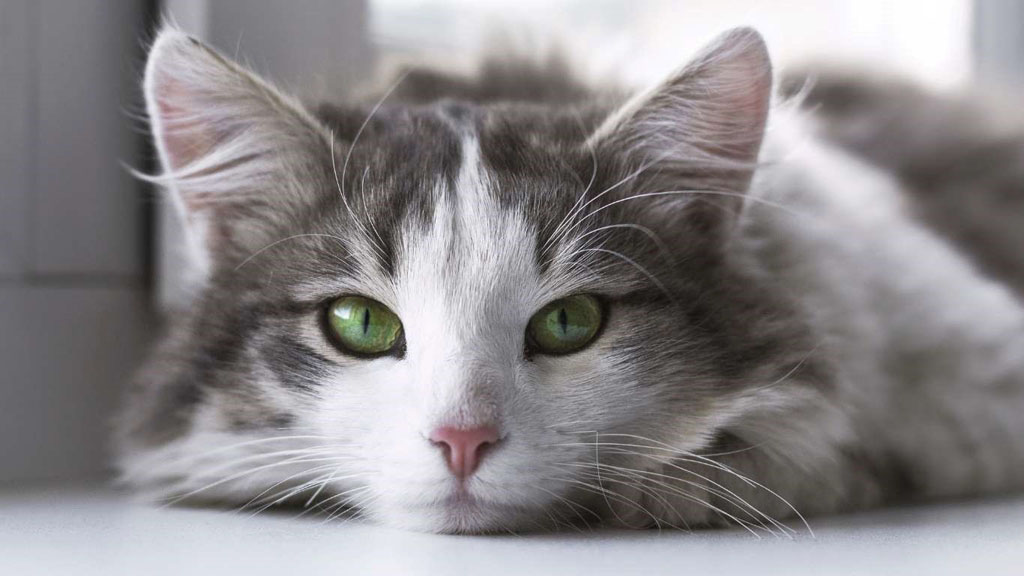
(563, 321)
(366, 321)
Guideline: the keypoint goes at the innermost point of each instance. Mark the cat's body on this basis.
(782, 333)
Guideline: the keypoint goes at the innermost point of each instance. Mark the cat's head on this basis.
(447, 315)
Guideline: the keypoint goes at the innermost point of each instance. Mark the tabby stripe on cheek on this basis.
(294, 364)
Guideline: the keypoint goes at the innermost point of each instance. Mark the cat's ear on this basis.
(700, 130)
(237, 154)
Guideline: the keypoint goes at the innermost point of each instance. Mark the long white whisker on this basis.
(248, 472)
(722, 492)
(348, 157)
(692, 458)
(291, 493)
(636, 484)
(573, 213)
(296, 236)
(219, 466)
(262, 496)
(583, 196)
(647, 273)
(692, 498)
(243, 444)
(340, 183)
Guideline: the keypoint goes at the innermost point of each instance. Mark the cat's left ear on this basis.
(701, 130)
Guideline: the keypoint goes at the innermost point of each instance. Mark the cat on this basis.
(456, 311)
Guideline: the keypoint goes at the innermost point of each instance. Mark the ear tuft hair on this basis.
(701, 129)
(231, 144)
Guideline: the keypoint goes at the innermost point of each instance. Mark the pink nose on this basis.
(463, 448)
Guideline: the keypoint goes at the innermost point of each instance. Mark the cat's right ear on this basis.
(693, 141)
(237, 154)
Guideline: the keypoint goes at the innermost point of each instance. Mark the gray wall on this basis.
(73, 313)
(999, 41)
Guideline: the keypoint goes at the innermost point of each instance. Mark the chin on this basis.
(462, 515)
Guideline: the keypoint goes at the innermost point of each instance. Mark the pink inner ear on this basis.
(182, 135)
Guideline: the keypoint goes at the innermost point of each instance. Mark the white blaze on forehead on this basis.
(494, 241)
(466, 285)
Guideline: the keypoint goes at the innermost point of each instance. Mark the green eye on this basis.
(363, 326)
(565, 325)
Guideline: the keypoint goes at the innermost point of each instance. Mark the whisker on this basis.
(294, 237)
(340, 183)
(288, 494)
(248, 472)
(219, 466)
(604, 493)
(257, 499)
(339, 508)
(242, 444)
(691, 458)
(727, 496)
(348, 156)
(572, 506)
(662, 247)
(593, 177)
(638, 485)
(650, 276)
(573, 213)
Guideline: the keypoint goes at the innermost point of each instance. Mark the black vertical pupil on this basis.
(366, 321)
(563, 320)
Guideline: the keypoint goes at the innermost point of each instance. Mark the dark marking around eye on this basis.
(366, 321)
(563, 320)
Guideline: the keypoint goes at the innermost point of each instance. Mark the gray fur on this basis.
(959, 156)
(783, 336)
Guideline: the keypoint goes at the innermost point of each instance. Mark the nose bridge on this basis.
(456, 362)
(466, 395)
(461, 351)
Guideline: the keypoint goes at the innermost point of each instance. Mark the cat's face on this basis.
(447, 315)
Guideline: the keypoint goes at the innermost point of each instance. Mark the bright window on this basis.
(642, 40)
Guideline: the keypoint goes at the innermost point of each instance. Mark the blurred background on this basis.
(88, 258)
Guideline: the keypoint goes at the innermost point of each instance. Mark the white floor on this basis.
(97, 532)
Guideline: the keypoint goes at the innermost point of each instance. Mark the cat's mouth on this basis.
(462, 500)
